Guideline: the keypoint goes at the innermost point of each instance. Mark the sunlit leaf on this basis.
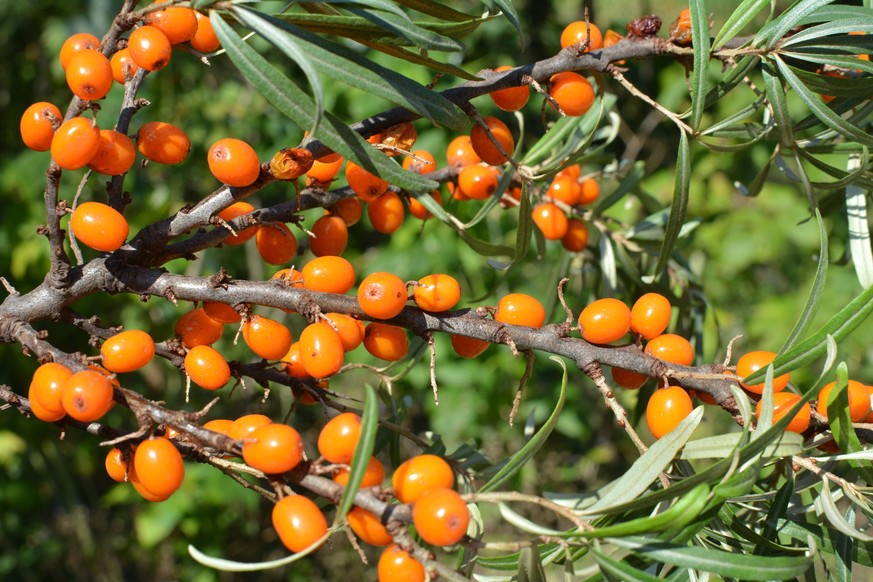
(739, 18)
(700, 70)
(679, 207)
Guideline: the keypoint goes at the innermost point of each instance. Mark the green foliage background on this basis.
(754, 258)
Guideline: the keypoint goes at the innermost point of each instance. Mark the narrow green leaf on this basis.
(722, 446)
(679, 207)
(700, 70)
(776, 96)
(628, 183)
(777, 509)
(621, 569)
(363, 452)
(727, 564)
(437, 10)
(401, 25)
(511, 15)
(835, 518)
(525, 224)
(777, 29)
(739, 18)
(524, 524)
(825, 539)
(530, 568)
(418, 58)
(518, 460)
(859, 230)
(829, 29)
(231, 566)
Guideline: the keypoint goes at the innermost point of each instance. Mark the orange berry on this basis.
(752, 362)
(386, 342)
(299, 522)
(75, 142)
(859, 400)
(195, 328)
(38, 125)
(179, 24)
(782, 403)
(234, 162)
(266, 337)
(339, 437)
(328, 274)
(162, 142)
(233, 211)
(666, 409)
(477, 182)
(350, 330)
(627, 379)
(382, 295)
(46, 389)
(219, 425)
(420, 474)
(207, 367)
(323, 172)
(204, 40)
(579, 32)
(564, 189)
(87, 396)
(511, 98)
(115, 154)
(242, 428)
(605, 321)
(321, 350)
(365, 184)
(116, 465)
(418, 210)
(440, 517)
(374, 474)
(650, 315)
(330, 236)
(396, 565)
(437, 292)
(576, 237)
(221, 312)
(572, 92)
(89, 75)
(349, 209)
(159, 466)
(551, 220)
(460, 152)
(420, 162)
(293, 364)
(671, 348)
(76, 43)
(149, 48)
(368, 527)
(44, 414)
(485, 148)
(127, 351)
(123, 67)
(468, 347)
(273, 448)
(520, 309)
(276, 243)
(590, 191)
(386, 213)
(141, 489)
(99, 226)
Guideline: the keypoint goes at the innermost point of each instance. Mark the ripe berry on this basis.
(605, 321)
(386, 213)
(99, 226)
(782, 403)
(242, 428)
(666, 409)
(374, 474)
(328, 274)
(89, 75)
(150, 48)
(590, 191)
(650, 315)
(349, 329)
(233, 211)
(420, 162)
(460, 152)
(576, 237)
(349, 209)
(159, 466)
(396, 565)
(116, 465)
(321, 350)
(520, 309)
(219, 425)
(266, 337)
(339, 437)
(221, 312)
(234, 162)
(76, 43)
(671, 348)
(368, 527)
(323, 172)
(627, 379)
(477, 182)
(207, 367)
(572, 92)
(204, 40)
(87, 395)
(179, 24)
(75, 143)
(115, 154)
(440, 517)
(565, 189)
(330, 234)
(420, 474)
(418, 210)
(551, 220)
(162, 142)
(578, 32)
(293, 363)
(44, 414)
(127, 351)
(468, 347)
(46, 389)
(382, 295)
(365, 184)
(123, 66)
(386, 342)
(437, 292)
(511, 98)
(276, 243)
(273, 448)
(485, 148)
(754, 361)
(859, 400)
(195, 328)
(38, 125)
(299, 522)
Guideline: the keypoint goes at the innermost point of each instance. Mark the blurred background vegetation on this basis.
(751, 261)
